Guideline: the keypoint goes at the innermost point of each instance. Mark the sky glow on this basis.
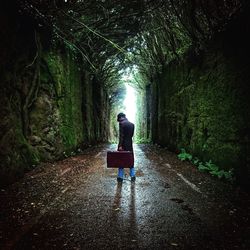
(130, 103)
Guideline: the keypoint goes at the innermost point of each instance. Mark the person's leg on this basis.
(120, 174)
(132, 173)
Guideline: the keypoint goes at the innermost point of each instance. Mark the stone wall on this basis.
(203, 103)
(50, 104)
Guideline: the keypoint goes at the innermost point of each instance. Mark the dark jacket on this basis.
(126, 132)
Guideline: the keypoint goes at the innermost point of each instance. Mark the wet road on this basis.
(78, 204)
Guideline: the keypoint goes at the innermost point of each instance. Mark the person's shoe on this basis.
(119, 179)
(133, 178)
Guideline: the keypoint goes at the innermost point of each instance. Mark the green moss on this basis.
(205, 109)
(142, 127)
(67, 81)
(66, 109)
(17, 156)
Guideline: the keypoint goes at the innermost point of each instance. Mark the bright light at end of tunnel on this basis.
(130, 103)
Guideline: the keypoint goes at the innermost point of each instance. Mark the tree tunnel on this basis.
(66, 67)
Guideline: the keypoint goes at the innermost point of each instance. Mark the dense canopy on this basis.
(111, 35)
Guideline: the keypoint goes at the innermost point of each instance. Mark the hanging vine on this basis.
(30, 97)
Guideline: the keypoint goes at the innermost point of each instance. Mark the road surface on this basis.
(77, 203)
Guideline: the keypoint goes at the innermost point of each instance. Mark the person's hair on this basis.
(120, 115)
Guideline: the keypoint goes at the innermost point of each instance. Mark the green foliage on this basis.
(208, 166)
(183, 156)
(214, 170)
(142, 141)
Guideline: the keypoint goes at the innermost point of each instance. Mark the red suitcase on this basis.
(117, 159)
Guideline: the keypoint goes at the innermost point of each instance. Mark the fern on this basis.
(208, 166)
(183, 156)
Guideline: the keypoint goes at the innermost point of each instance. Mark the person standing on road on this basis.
(126, 132)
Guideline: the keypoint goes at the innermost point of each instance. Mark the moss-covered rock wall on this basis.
(16, 154)
(203, 103)
(142, 128)
(50, 104)
(55, 118)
